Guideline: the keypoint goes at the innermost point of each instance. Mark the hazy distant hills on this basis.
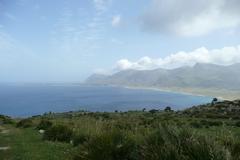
(205, 77)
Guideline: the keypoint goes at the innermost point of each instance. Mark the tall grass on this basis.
(111, 145)
(146, 136)
(170, 143)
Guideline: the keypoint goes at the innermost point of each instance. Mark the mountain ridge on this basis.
(201, 77)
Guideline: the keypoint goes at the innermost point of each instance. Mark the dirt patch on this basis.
(3, 130)
(4, 148)
(6, 131)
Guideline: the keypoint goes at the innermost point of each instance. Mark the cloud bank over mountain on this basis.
(191, 18)
(223, 56)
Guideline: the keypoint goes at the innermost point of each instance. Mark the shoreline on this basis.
(177, 92)
(165, 90)
(220, 94)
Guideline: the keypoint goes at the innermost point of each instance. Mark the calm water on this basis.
(27, 100)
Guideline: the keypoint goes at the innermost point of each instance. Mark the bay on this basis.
(28, 100)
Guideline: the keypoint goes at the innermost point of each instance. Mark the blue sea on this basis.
(27, 100)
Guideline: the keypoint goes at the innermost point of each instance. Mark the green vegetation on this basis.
(44, 124)
(6, 120)
(27, 144)
(206, 132)
(58, 133)
(111, 145)
(177, 144)
(25, 123)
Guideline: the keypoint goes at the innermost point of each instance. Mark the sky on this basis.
(66, 41)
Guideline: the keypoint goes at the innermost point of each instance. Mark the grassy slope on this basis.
(206, 120)
(27, 144)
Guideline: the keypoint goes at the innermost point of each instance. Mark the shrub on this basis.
(211, 123)
(44, 124)
(6, 120)
(195, 124)
(58, 133)
(156, 147)
(168, 109)
(25, 123)
(178, 144)
(80, 139)
(105, 116)
(237, 124)
(200, 147)
(153, 111)
(235, 151)
(113, 145)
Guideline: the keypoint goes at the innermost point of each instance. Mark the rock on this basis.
(41, 131)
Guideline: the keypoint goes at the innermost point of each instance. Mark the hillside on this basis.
(205, 132)
(221, 109)
(205, 79)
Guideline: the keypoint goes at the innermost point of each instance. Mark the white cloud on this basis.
(36, 6)
(116, 20)
(191, 18)
(224, 56)
(101, 5)
(10, 16)
(102, 71)
(6, 42)
(117, 41)
(78, 37)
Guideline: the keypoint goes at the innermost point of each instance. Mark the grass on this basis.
(133, 135)
(27, 144)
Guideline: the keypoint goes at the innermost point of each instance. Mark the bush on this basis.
(113, 145)
(58, 133)
(235, 151)
(80, 139)
(211, 123)
(152, 111)
(6, 120)
(200, 147)
(168, 109)
(25, 123)
(105, 116)
(237, 124)
(195, 124)
(155, 147)
(44, 124)
(172, 144)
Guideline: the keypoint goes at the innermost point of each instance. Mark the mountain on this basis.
(201, 77)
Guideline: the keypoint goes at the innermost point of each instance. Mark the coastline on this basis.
(188, 91)
(164, 90)
(161, 90)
